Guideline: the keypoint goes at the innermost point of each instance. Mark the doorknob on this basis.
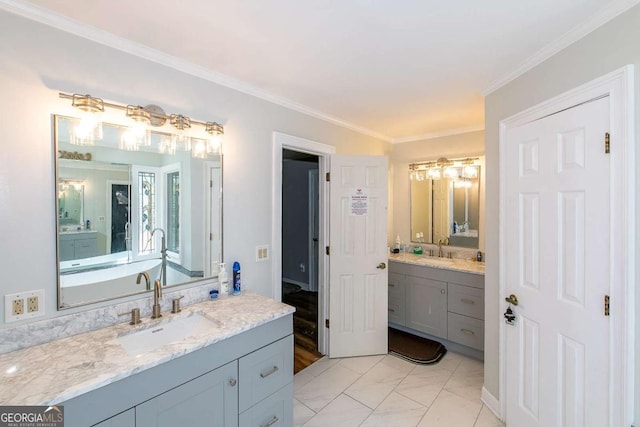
(512, 299)
(382, 266)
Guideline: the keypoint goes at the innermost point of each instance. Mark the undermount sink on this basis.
(437, 261)
(169, 331)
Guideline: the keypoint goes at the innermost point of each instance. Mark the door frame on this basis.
(314, 198)
(323, 151)
(618, 86)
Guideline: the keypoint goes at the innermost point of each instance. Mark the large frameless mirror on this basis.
(445, 208)
(121, 214)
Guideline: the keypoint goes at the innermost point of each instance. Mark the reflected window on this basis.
(173, 211)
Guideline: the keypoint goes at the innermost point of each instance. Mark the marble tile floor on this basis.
(388, 391)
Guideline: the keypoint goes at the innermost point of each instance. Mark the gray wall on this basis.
(37, 62)
(295, 219)
(609, 48)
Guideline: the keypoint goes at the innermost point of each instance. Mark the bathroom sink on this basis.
(169, 331)
(437, 261)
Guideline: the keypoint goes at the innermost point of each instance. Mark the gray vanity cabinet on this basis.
(78, 245)
(245, 379)
(427, 305)
(396, 309)
(438, 303)
(209, 400)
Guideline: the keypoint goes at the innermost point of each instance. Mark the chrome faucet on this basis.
(163, 252)
(146, 279)
(157, 294)
(440, 243)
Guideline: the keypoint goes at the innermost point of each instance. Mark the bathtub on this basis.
(103, 283)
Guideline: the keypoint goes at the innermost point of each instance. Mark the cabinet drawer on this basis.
(466, 301)
(466, 331)
(276, 410)
(265, 371)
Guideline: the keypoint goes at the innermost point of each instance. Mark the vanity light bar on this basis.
(156, 114)
(443, 163)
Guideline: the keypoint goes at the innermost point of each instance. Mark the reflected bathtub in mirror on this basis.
(105, 241)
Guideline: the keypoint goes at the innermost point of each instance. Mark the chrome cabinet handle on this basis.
(233, 382)
(391, 285)
(467, 301)
(467, 331)
(391, 310)
(271, 422)
(269, 372)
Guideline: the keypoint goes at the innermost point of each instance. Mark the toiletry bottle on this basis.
(479, 256)
(236, 278)
(398, 242)
(223, 279)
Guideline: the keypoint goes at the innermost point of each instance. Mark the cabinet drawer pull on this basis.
(269, 372)
(271, 422)
(391, 285)
(233, 382)
(467, 301)
(467, 331)
(392, 310)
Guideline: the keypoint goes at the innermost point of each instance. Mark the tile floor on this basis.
(388, 391)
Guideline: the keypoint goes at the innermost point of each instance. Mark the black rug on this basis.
(414, 348)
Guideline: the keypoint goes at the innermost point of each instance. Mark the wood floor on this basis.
(305, 327)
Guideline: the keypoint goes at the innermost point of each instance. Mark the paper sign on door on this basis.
(359, 203)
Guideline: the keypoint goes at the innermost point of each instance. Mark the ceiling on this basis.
(398, 70)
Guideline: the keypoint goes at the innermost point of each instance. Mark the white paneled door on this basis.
(557, 262)
(358, 256)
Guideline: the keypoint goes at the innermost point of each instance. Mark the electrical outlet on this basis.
(23, 305)
(18, 306)
(32, 304)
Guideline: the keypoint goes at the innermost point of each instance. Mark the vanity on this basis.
(440, 299)
(234, 368)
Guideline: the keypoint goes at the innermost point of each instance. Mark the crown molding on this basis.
(603, 16)
(77, 28)
(439, 134)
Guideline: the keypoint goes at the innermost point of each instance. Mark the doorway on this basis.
(119, 223)
(300, 235)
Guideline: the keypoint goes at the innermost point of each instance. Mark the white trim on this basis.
(323, 151)
(603, 16)
(491, 402)
(72, 26)
(438, 134)
(619, 86)
(314, 193)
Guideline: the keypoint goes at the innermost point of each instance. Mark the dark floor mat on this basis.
(414, 348)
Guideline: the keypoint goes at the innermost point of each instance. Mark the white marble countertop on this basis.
(59, 370)
(455, 264)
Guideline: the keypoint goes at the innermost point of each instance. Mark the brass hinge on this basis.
(607, 143)
(327, 251)
(326, 323)
(606, 305)
(328, 176)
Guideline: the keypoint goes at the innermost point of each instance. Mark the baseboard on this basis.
(492, 403)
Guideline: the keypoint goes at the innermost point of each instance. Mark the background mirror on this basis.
(442, 209)
(116, 208)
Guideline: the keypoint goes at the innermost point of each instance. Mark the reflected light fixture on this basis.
(452, 169)
(216, 132)
(138, 133)
(89, 128)
(199, 148)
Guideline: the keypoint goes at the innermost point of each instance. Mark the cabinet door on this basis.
(66, 250)
(125, 419)
(209, 400)
(396, 299)
(427, 305)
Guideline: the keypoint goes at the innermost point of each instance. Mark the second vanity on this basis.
(440, 299)
(237, 371)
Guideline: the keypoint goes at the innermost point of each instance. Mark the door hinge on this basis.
(210, 183)
(210, 236)
(326, 323)
(327, 251)
(606, 305)
(607, 143)
(328, 177)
